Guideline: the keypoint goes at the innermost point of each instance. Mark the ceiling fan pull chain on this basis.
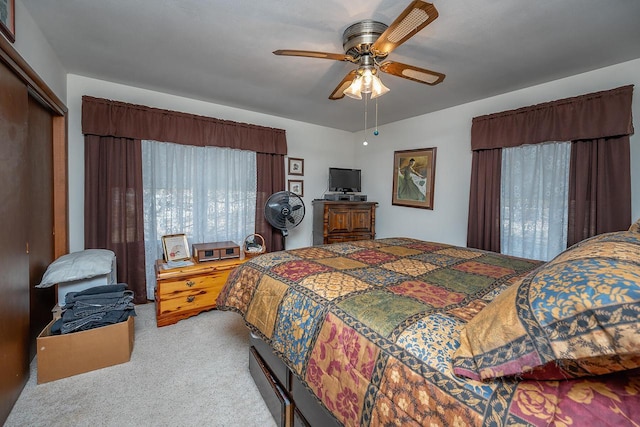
(365, 121)
(375, 132)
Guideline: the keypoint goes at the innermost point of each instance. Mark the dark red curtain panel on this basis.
(113, 206)
(113, 172)
(270, 180)
(599, 188)
(483, 229)
(600, 170)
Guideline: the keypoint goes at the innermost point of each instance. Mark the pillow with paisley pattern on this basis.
(577, 315)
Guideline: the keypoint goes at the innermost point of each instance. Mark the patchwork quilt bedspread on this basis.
(370, 328)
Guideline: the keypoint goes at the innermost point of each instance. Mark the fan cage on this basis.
(295, 214)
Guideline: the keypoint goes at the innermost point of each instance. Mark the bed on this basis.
(405, 332)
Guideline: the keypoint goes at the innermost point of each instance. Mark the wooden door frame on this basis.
(40, 91)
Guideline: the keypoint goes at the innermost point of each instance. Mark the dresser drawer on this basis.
(340, 238)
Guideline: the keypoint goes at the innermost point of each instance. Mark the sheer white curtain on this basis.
(207, 193)
(534, 200)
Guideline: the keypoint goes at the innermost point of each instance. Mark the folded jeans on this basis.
(104, 290)
(87, 310)
(96, 321)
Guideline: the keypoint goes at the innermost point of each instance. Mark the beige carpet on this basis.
(193, 373)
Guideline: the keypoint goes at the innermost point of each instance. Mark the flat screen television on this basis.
(345, 180)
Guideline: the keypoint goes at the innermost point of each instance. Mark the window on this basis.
(207, 193)
(534, 200)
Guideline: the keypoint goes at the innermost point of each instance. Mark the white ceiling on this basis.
(221, 50)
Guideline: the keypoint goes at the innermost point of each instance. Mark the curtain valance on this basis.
(104, 117)
(595, 115)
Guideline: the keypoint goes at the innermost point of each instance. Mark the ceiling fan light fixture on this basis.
(366, 81)
(355, 89)
(378, 88)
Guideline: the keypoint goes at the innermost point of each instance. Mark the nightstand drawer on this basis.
(188, 300)
(167, 289)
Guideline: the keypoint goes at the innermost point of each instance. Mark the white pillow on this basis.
(78, 265)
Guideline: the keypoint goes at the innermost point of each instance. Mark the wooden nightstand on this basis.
(186, 291)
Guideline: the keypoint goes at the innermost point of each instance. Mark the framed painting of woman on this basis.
(414, 173)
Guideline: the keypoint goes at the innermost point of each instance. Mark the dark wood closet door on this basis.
(14, 261)
(40, 234)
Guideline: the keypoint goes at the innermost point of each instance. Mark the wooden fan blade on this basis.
(414, 18)
(312, 54)
(417, 74)
(338, 92)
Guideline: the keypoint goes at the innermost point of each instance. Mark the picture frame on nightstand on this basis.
(175, 247)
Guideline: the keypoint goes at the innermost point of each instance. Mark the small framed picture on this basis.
(296, 186)
(296, 166)
(175, 247)
(8, 19)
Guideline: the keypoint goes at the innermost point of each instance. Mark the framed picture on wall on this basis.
(296, 187)
(296, 166)
(414, 172)
(175, 247)
(8, 19)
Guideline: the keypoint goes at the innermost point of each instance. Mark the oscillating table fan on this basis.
(284, 210)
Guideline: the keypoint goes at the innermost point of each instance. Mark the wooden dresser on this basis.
(186, 291)
(343, 221)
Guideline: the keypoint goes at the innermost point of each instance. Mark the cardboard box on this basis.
(61, 356)
(56, 311)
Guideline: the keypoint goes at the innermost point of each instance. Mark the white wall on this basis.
(36, 51)
(450, 132)
(315, 144)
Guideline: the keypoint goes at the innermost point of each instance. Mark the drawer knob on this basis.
(190, 298)
(190, 283)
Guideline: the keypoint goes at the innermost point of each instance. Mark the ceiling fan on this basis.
(368, 43)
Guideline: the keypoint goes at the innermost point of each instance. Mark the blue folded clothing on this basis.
(95, 307)
(91, 322)
(96, 290)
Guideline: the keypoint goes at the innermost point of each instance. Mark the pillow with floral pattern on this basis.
(577, 315)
